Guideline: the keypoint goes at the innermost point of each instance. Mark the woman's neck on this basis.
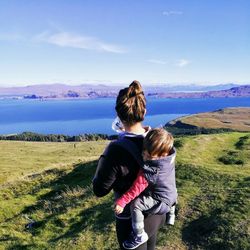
(136, 128)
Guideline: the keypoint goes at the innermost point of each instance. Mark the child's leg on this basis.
(137, 207)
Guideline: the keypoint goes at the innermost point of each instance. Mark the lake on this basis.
(73, 117)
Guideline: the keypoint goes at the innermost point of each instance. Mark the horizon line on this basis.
(126, 83)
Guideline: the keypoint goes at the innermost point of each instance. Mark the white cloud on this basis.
(156, 61)
(66, 39)
(172, 12)
(182, 63)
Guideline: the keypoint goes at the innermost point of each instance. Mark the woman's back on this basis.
(117, 168)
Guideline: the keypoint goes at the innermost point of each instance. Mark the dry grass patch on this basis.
(231, 118)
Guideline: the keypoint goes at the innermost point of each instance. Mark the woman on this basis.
(117, 168)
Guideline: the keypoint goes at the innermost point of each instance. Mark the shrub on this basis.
(30, 136)
(178, 143)
(232, 157)
(242, 142)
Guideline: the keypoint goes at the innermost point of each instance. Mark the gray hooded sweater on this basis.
(160, 174)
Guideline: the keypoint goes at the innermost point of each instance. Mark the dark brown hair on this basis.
(158, 142)
(131, 104)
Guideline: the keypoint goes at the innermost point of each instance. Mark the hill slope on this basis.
(48, 203)
(237, 119)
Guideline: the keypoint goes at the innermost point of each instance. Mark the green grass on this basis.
(18, 159)
(50, 183)
(206, 150)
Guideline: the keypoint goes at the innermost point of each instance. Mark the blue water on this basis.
(74, 117)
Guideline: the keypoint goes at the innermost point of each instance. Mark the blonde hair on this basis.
(131, 104)
(158, 142)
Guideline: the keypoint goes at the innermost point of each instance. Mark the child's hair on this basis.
(158, 142)
(131, 104)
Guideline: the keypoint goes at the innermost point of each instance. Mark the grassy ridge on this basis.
(234, 119)
(51, 206)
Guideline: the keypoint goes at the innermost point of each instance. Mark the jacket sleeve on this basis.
(138, 186)
(106, 172)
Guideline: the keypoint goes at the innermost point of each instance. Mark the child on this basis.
(156, 180)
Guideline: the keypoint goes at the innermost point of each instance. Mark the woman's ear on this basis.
(145, 112)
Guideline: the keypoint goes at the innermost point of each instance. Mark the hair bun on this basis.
(134, 89)
(131, 104)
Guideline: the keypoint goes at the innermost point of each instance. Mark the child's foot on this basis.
(135, 240)
(171, 216)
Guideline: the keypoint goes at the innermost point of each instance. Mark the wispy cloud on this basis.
(172, 12)
(182, 63)
(66, 39)
(155, 61)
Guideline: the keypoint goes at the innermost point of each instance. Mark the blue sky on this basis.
(96, 41)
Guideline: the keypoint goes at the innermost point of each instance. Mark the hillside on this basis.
(47, 201)
(237, 119)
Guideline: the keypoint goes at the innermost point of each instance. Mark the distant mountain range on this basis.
(88, 91)
(60, 91)
(240, 91)
(190, 87)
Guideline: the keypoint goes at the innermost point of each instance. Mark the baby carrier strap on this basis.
(130, 147)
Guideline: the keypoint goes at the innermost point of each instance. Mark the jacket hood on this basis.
(157, 163)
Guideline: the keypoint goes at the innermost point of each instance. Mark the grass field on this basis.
(47, 200)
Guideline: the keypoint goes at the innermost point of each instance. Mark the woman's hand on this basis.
(118, 209)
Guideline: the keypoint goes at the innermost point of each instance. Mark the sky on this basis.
(117, 41)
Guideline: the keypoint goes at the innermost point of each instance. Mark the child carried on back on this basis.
(154, 190)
